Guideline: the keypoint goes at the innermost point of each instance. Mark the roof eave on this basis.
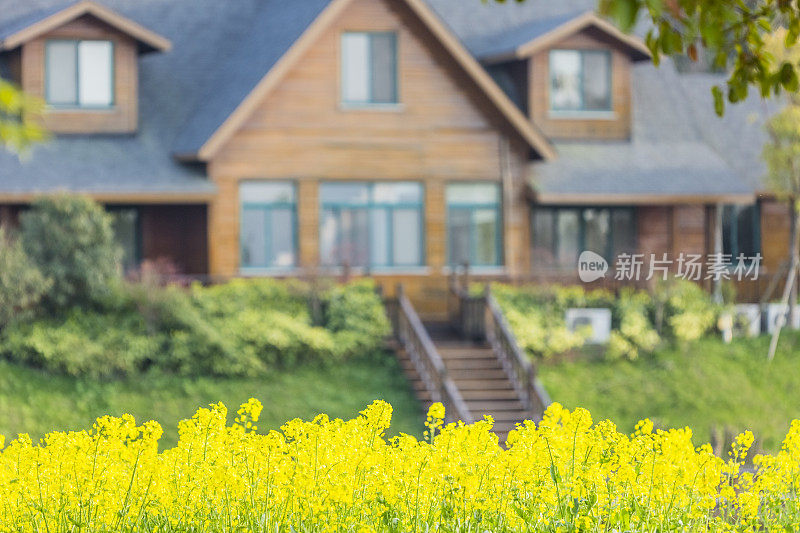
(584, 198)
(633, 46)
(149, 41)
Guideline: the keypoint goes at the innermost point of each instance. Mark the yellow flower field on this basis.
(567, 474)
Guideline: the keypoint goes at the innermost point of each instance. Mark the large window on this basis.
(268, 225)
(80, 73)
(560, 234)
(474, 224)
(371, 224)
(741, 231)
(580, 80)
(369, 68)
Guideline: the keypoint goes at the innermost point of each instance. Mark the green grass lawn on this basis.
(706, 383)
(37, 403)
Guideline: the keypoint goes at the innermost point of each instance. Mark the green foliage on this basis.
(243, 328)
(736, 34)
(22, 285)
(633, 331)
(356, 316)
(19, 118)
(71, 239)
(690, 313)
(782, 152)
(537, 316)
(81, 343)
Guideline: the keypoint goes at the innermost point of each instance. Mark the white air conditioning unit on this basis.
(598, 319)
(776, 310)
(746, 320)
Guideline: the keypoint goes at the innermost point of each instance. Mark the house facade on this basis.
(392, 138)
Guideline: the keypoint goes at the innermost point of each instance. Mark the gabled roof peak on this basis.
(527, 39)
(22, 30)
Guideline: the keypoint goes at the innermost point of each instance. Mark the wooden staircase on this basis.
(471, 364)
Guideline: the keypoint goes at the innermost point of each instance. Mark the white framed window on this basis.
(268, 228)
(369, 68)
(474, 224)
(580, 80)
(79, 73)
(372, 224)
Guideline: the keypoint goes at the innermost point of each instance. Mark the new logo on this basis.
(591, 267)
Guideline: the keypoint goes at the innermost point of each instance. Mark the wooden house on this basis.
(392, 138)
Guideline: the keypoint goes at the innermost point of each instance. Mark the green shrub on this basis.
(536, 314)
(356, 316)
(71, 240)
(690, 312)
(537, 317)
(22, 285)
(82, 343)
(632, 331)
(241, 328)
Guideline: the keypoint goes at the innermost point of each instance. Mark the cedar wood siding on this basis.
(123, 116)
(444, 130)
(615, 127)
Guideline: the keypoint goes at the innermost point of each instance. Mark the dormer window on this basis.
(580, 81)
(79, 73)
(369, 68)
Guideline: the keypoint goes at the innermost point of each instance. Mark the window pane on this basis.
(473, 193)
(254, 240)
(397, 193)
(344, 193)
(486, 237)
(96, 84)
(568, 237)
(62, 68)
(407, 237)
(544, 249)
(596, 230)
(596, 81)
(565, 80)
(355, 67)
(281, 238)
(623, 225)
(261, 192)
(384, 68)
(458, 229)
(354, 238)
(126, 234)
(728, 229)
(328, 234)
(379, 225)
(748, 229)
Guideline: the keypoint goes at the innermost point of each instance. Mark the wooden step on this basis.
(489, 406)
(489, 395)
(488, 363)
(460, 353)
(477, 374)
(484, 384)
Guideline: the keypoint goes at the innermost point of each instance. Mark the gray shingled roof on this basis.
(273, 31)
(678, 144)
(221, 49)
(505, 42)
(172, 85)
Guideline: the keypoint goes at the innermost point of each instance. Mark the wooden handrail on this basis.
(481, 317)
(504, 344)
(426, 359)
